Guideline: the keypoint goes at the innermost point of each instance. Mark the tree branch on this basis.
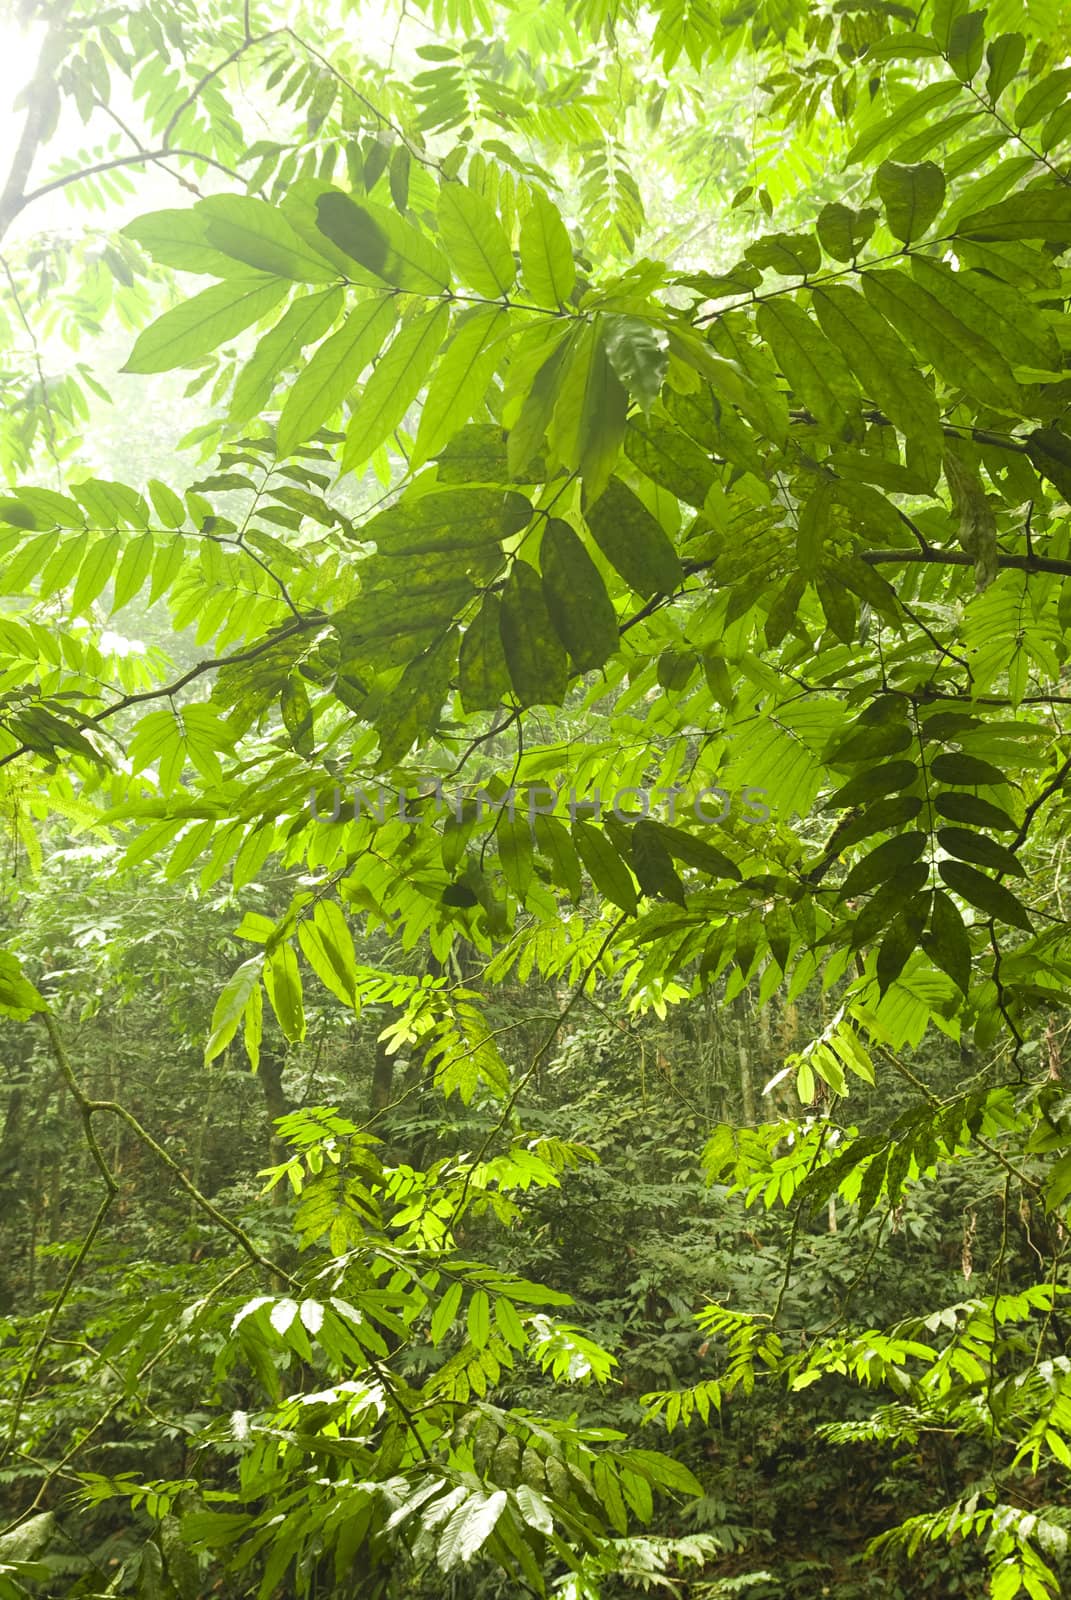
(960, 558)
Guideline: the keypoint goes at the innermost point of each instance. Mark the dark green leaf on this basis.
(605, 867)
(1050, 451)
(898, 942)
(633, 541)
(912, 197)
(843, 232)
(671, 459)
(977, 847)
(884, 367)
(813, 366)
(1005, 57)
(884, 862)
(966, 41)
(695, 852)
(947, 943)
(414, 706)
(1043, 213)
(652, 863)
(892, 897)
(538, 667)
(382, 242)
(881, 780)
(576, 597)
(976, 813)
(968, 772)
(553, 842)
(960, 355)
(985, 893)
(484, 676)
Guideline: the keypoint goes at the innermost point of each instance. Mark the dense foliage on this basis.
(535, 949)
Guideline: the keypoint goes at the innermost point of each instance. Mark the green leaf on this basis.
(253, 1025)
(447, 521)
(133, 570)
(94, 572)
(509, 1323)
(445, 1312)
(884, 368)
(1050, 452)
(994, 311)
(475, 241)
(380, 241)
(966, 845)
(676, 462)
(537, 407)
(632, 541)
(814, 368)
(282, 980)
(231, 1005)
(193, 330)
(18, 997)
(696, 852)
(394, 385)
(461, 379)
(414, 707)
(792, 254)
(167, 504)
(1004, 56)
(546, 254)
(303, 322)
(838, 604)
(1038, 213)
(576, 598)
(398, 175)
(883, 862)
(652, 863)
(605, 867)
(333, 370)
(961, 356)
(947, 943)
(985, 893)
(916, 108)
(1043, 97)
(537, 663)
(966, 41)
(327, 945)
(842, 232)
(483, 674)
(976, 813)
(588, 423)
(177, 239)
(553, 842)
(257, 234)
(966, 771)
(639, 354)
(469, 1529)
(514, 838)
(479, 1319)
(912, 197)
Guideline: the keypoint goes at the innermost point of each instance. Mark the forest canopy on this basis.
(535, 605)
